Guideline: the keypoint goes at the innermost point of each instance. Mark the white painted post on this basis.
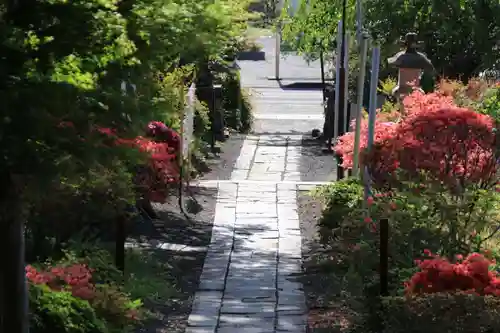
(359, 106)
(277, 52)
(373, 94)
(346, 85)
(187, 126)
(372, 109)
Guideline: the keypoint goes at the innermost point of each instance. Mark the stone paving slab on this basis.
(248, 283)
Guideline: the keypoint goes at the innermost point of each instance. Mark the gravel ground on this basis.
(173, 227)
(326, 312)
(315, 165)
(222, 165)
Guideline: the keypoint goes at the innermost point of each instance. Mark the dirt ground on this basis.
(328, 311)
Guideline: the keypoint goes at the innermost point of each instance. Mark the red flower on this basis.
(433, 136)
(471, 275)
(162, 145)
(106, 131)
(66, 124)
(76, 278)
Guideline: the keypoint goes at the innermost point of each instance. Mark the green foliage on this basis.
(118, 297)
(236, 104)
(340, 200)
(490, 104)
(78, 210)
(63, 69)
(387, 86)
(313, 27)
(61, 312)
(66, 62)
(420, 218)
(246, 116)
(459, 36)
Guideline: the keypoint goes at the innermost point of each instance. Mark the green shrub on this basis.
(107, 296)
(61, 312)
(246, 116)
(341, 200)
(236, 103)
(146, 277)
(116, 307)
(441, 313)
(85, 208)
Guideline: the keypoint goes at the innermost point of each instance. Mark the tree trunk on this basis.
(14, 302)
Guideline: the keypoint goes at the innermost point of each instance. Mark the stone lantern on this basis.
(411, 64)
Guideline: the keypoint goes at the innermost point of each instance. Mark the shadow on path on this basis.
(252, 56)
(315, 165)
(301, 85)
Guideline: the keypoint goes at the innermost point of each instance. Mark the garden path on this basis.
(248, 283)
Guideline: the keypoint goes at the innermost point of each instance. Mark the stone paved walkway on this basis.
(248, 283)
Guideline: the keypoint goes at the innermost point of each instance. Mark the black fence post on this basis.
(212, 120)
(341, 128)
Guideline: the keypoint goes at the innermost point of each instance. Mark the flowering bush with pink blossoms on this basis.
(434, 136)
(434, 175)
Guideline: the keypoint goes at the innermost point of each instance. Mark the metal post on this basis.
(373, 94)
(322, 64)
(346, 124)
(372, 109)
(338, 79)
(277, 52)
(359, 106)
(341, 91)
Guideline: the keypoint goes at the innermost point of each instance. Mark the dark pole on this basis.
(340, 94)
(14, 293)
(212, 121)
(322, 64)
(384, 257)
(14, 286)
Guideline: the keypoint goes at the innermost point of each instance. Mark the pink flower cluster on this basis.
(75, 278)
(472, 275)
(433, 135)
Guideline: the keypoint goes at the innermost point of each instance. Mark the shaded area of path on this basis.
(247, 284)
